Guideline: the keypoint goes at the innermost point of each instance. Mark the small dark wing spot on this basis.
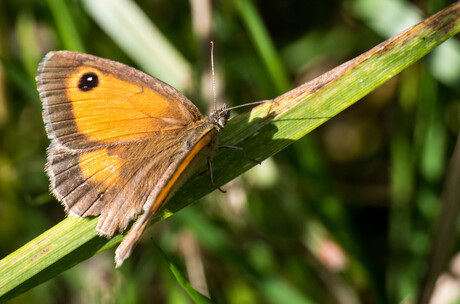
(88, 82)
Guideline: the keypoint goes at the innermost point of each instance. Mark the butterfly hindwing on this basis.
(105, 182)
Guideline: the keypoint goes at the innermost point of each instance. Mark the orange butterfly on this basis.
(122, 142)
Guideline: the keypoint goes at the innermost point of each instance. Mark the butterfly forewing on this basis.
(91, 102)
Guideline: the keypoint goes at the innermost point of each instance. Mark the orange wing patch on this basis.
(100, 167)
(107, 109)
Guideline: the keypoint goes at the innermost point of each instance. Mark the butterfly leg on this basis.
(211, 177)
(242, 150)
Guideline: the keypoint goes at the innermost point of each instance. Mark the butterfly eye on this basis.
(224, 115)
(88, 82)
(222, 121)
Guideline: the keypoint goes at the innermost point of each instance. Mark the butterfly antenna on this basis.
(250, 104)
(213, 76)
(214, 91)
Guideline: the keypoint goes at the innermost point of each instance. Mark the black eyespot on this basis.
(88, 82)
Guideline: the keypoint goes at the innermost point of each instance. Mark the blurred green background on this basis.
(345, 215)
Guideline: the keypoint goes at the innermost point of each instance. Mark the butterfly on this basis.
(122, 142)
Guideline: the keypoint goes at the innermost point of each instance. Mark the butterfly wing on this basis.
(114, 133)
(199, 144)
(91, 102)
(105, 182)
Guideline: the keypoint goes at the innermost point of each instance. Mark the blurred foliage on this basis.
(345, 215)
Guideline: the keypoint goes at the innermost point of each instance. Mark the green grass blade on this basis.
(130, 28)
(264, 131)
(263, 43)
(184, 283)
(27, 42)
(56, 250)
(390, 17)
(66, 27)
(444, 239)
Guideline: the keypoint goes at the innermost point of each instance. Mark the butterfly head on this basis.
(220, 117)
